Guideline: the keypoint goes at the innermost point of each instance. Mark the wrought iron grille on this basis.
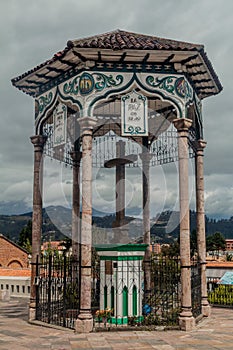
(58, 292)
(196, 288)
(57, 295)
(164, 149)
(164, 300)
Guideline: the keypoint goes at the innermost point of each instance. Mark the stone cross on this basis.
(119, 225)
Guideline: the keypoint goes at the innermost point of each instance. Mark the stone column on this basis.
(76, 237)
(84, 323)
(146, 157)
(186, 318)
(200, 212)
(38, 142)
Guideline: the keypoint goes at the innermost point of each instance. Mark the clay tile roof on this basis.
(119, 40)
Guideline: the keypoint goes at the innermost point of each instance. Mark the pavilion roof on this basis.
(123, 47)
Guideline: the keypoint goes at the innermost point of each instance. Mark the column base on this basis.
(186, 320)
(84, 325)
(206, 310)
(32, 312)
(186, 323)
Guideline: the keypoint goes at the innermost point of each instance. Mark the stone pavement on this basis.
(213, 333)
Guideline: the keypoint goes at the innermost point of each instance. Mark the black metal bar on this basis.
(37, 288)
(64, 292)
(49, 287)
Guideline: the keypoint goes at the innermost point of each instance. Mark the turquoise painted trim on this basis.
(125, 305)
(122, 258)
(135, 301)
(115, 68)
(107, 93)
(121, 247)
(119, 320)
(158, 92)
(145, 88)
(124, 320)
(40, 120)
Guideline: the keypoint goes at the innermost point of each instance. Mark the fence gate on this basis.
(165, 296)
(57, 290)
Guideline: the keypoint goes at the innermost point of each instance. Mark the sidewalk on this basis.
(213, 333)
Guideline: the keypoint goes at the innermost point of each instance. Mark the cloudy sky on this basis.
(32, 31)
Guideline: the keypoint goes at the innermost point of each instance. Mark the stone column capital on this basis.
(38, 141)
(200, 145)
(87, 125)
(182, 124)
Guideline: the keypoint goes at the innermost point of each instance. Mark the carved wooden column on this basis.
(186, 318)
(146, 157)
(38, 142)
(84, 323)
(200, 212)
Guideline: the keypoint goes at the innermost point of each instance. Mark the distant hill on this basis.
(57, 224)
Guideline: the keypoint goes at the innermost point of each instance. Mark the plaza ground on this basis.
(16, 333)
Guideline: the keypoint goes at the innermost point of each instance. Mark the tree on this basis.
(215, 242)
(25, 237)
(171, 250)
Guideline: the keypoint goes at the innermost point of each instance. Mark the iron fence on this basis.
(119, 298)
(164, 298)
(196, 288)
(57, 290)
(219, 294)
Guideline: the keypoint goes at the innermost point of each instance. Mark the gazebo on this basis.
(136, 87)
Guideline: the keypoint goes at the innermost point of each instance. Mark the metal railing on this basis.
(58, 292)
(219, 294)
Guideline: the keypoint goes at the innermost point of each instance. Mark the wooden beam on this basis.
(168, 59)
(79, 55)
(188, 59)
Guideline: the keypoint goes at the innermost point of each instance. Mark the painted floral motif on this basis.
(165, 83)
(103, 81)
(172, 85)
(87, 82)
(182, 88)
(43, 101)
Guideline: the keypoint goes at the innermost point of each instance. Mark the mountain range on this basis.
(57, 225)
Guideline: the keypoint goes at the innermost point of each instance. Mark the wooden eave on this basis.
(193, 63)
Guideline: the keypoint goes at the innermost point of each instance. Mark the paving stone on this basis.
(213, 333)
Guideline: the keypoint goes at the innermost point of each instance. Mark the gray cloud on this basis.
(34, 31)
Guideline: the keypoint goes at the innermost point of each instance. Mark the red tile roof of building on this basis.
(219, 264)
(15, 272)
